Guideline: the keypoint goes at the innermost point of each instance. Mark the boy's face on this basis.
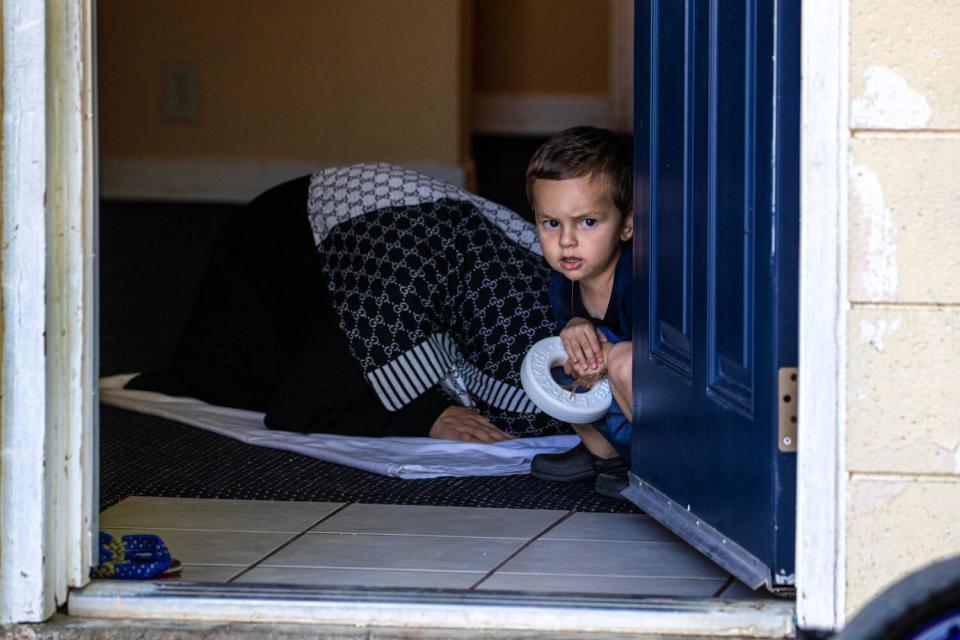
(580, 227)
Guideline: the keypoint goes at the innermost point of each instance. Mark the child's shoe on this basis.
(576, 464)
(612, 484)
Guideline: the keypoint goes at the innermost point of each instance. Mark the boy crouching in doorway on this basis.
(580, 186)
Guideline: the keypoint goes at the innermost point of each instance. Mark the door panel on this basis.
(670, 272)
(716, 202)
(730, 218)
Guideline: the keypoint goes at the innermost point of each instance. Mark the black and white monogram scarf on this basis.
(433, 285)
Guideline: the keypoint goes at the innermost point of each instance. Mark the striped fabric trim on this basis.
(404, 378)
(338, 194)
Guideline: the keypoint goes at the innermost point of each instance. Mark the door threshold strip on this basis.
(432, 608)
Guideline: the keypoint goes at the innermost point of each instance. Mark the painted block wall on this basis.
(903, 423)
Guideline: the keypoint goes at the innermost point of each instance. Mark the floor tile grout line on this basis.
(726, 585)
(412, 535)
(453, 535)
(333, 567)
(290, 541)
(390, 534)
(607, 540)
(640, 576)
(513, 555)
(189, 529)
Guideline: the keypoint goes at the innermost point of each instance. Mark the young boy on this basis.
(580, 185)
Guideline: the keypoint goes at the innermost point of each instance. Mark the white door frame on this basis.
(47, 510)
(47, 475)
(26, 581)
(821, 410)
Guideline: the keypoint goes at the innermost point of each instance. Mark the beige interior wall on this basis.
(903, 423)
(327, 81)
(542, 46)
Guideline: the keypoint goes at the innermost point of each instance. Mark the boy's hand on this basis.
(460, 423)
(583, 344)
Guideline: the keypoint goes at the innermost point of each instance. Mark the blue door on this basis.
(716, 206)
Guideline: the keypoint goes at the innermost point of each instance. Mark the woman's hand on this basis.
(460, 423)
(583, 344)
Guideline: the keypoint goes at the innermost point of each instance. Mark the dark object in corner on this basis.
(925, 604)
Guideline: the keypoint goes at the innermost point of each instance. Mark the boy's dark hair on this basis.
(586, 151)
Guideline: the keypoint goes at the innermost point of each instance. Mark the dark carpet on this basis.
(149, 456)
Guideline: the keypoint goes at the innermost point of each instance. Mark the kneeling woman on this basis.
(371, 300)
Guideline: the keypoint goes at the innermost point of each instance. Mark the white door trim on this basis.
(71, 286)
(222, 179)
(46, 475)
(25, 578)
(821, 481)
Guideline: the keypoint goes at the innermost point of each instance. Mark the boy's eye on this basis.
(589, 222)
(551, 224)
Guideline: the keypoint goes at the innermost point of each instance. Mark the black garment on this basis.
(263, 335)
(433, 283)
(339, 302)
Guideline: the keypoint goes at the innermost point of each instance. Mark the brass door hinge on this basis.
(787, 387)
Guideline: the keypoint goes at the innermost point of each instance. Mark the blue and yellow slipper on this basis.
(135, 556)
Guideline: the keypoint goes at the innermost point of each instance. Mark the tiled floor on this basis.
(335, 544)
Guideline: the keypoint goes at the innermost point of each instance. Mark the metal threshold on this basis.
(432, 609)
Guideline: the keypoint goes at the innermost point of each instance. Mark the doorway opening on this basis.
(182, 152)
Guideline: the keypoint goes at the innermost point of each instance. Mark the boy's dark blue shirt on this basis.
(566, 302)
